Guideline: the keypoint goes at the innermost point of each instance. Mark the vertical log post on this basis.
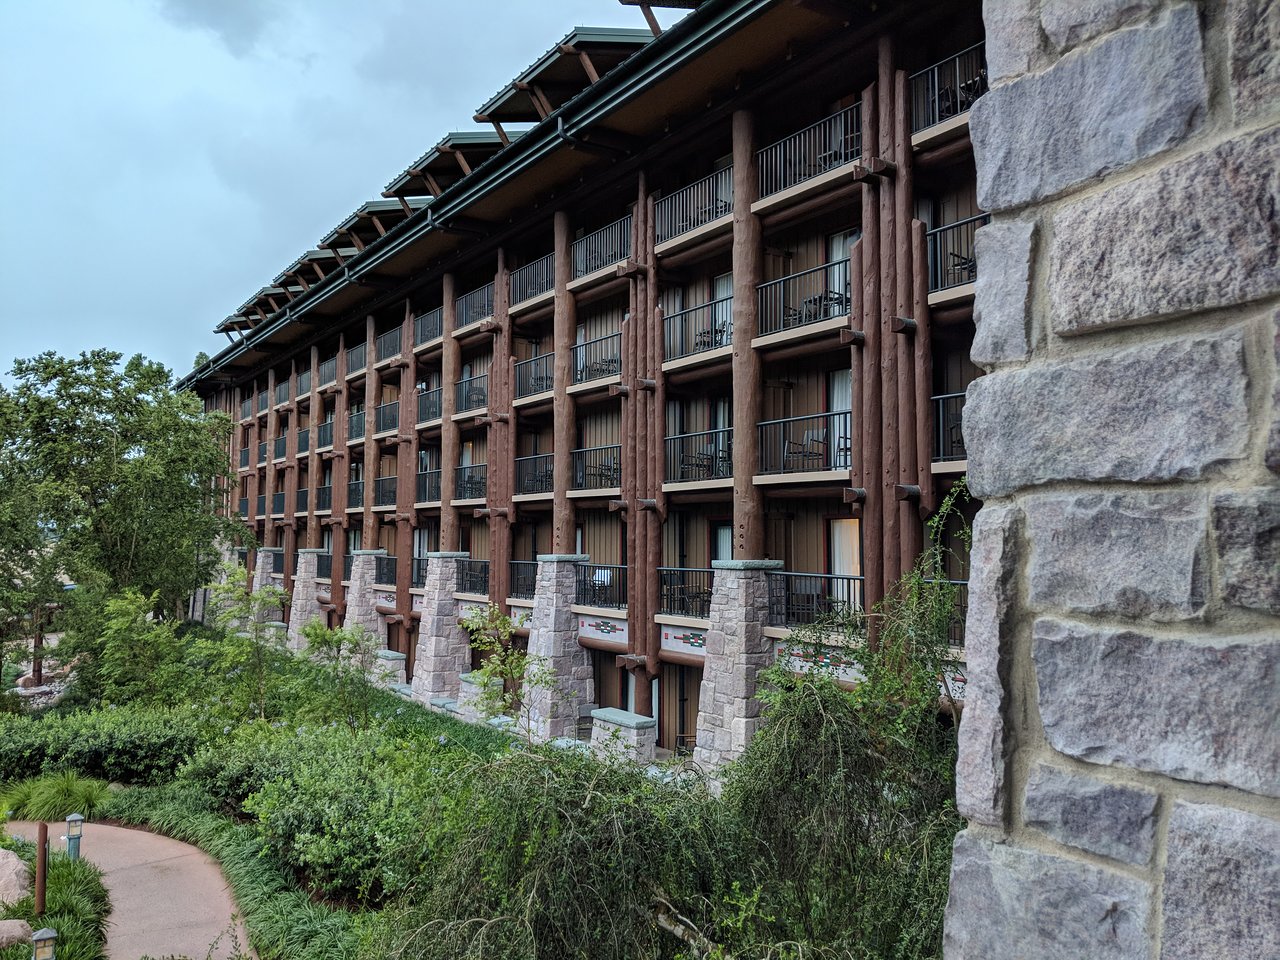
(872, 323)
(501, 451)
(450, 365)
(908, 420)
(564, 413)
(892, 510)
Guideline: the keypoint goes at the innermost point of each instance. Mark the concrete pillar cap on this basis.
(563, 557)
(746, 564)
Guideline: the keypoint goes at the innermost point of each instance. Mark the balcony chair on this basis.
(606, 473)
(810, 453)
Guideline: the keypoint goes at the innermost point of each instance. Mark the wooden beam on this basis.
(432, 184)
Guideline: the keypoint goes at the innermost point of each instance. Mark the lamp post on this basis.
(75, 827)
(42, 944)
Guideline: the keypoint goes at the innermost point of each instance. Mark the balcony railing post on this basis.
(820, 293)
(604, 247)
(598, 358)
(597, 468)
(952, 257)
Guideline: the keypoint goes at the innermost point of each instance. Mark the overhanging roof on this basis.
(455, 156)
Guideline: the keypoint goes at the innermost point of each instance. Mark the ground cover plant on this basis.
(76, 905)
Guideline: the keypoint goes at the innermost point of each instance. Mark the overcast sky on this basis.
(163, 159)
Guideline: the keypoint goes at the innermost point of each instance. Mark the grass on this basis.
(9, 674)
(76, 905)
(53, 797)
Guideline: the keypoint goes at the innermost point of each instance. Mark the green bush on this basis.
(53, 797)
(76, 905)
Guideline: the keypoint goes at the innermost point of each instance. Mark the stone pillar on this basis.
(361, 606)
(444, 650)
(1118, 763)
(304, 605)
(737, 650)
(622, 733)
(553, 637)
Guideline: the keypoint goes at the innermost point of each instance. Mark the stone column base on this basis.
(621, 733)
(553, 640)
(443, 647)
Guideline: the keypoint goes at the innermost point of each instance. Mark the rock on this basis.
(13, 932)
(1246, 528)
(1254, 30)
(1157, 411)
(1207, 711)
(1147, 248)
(1068, 23)
(15, 877)
(1012, 36)
(1002, 293)
(1139, 555)
(1129, 96)
(1107, 819)
(981, 760)
(1221, 885)
(1272, 456)
(1011, 904)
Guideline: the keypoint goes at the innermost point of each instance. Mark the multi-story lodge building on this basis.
(687, 316)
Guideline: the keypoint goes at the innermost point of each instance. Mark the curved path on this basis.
(167, 898)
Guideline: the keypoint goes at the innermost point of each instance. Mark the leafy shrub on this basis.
(76, 905)
(53, 797)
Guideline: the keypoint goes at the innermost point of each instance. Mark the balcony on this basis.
(533, 279)
(602, 585)
(260, 506)
(324, 435)
(535, 474)
(429, 402)
(694, 206)
(262, 452)
(429, 326)
(806, 444)
(324, 566)
(277, 562)
(524, 579)
(304, 383)
(329, 371)
(300, 502)
(707, 455)
(356, 358)
(387, 416)
(324, 497)
(355, 494)
(244, 457)
(470, 481)
(355, 426)
(419, 573)
(598, 358)
(384, 492)
(387, 345)
(428, 490)
(831, 143)
(472, 394)
(799, 599)
(952, 260)
(246, 408)
(244, 507)
(277, 503)
(262, 402)
(685, 591)
(384, 571)
(279, 447)
(699, 329)
(475, 306)
(805, 298)
(597, 468)
(347, 563)
(535, 376)
(601, 249)
(946, 90)
(282, 392)
(959, 611)
(304, 440)
(473, 577)
(948, 421)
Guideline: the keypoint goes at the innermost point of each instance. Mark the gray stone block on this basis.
(1253, 28)
(1013, 37)
(1068, 23)
(1246, 527)
(1107, 819)
(1138, 555)
(1100, 108)
(1272, 456)
(1010, 904)
(1148, 248)
(1157, 411)
(1002, 293)
(1203, 711)
(1221, 885)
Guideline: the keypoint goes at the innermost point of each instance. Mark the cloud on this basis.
(237, 23)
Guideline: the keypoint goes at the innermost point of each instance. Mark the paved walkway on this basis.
(167, 898)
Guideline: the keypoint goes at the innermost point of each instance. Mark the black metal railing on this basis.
(601, 357)
(277, 503)
(535, 375)
(806, 444)
(826, 145)
(324, 497)
(428, 486)
(244, 506)
(355, 425)
(418, 574)
(347, 561)
(324, 434)
(706, 455)
(475, 306)
(304, 383)
(597, 468)
(473, 577)
(602, 585)
(262, 452)
(355, 493)
(384, 491)
(602, 248)
(685, 591)
(470, 481)
(300, 502)
(324, 566)
(535, 474)
(279, 447)
(262, 401)
(387, 416)
(533, 279)
(428, 326)
(472, 393)
(384, 571)
(304, 440)
(949, 88)
(948, 423)
(282, 392)
(356, 358)
(959, 611)
(429, 404)
(797, 599)
(524, 579)
(952, 258)
(329, 371)
(694, 206)
(246, 408)
(810, 296)
(277, 561)
(698, 329)
(261, 505)
(387, 345)
(244, 456)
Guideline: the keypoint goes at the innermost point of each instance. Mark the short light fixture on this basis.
(75, 828)
(42, 944)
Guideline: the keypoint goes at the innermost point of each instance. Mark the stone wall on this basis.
(553, 638)
(361, 602)
(1119, 761)
(303, 605)
(444, 652)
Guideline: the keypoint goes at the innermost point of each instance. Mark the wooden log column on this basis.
(450, 365)
(924, 369)
(656, 450)
(912, 531)
(890, 476)
(341, 461)
(406, 475)
(748, 264)
(501, 441)
(564, 324)
(372, 390)
(314, 468)
(870, 478)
